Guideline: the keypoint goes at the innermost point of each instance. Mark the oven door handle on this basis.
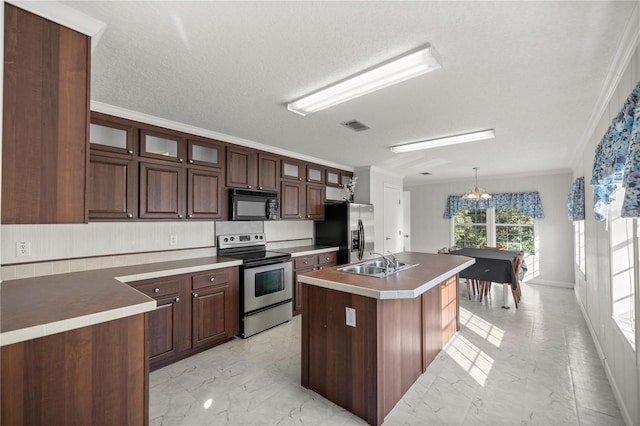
(360, 239)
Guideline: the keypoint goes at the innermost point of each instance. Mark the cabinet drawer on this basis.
(159, 289)
(305, 261)
(327, 258)
(209, 279)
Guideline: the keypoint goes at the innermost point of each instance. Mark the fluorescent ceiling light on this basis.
(412, 64)
(444, 141)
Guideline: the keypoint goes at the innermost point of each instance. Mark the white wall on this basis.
(593, 290)
(370, 189)
(553, 263)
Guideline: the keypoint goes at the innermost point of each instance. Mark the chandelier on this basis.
(476, 194)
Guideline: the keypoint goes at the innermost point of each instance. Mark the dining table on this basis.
(497, 266)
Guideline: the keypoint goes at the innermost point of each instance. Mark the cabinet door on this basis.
(204, 194)
(206, 153)
(332, 177)
(297, 289)
(241, 168)
(112, 188)
(110, 136)
(211, 315)
(45, 125)
(268, 166)
(161, 191)
(165, 340)
(292, 169)
(315, 202)
(161, 146)
(315, 174)
(345, 178)
(292, 200)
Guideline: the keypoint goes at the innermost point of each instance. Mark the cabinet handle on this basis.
(308, 216)
(179, 216)
(212, 279)
(190, 215)
(299, 217)
(299, 178)
(319, 267)
(177, 299)
(195, 295)
(180, 160)
(327, 258)
(259, 187)
(129, 215)
(190, 161)
(249, 186)
(130, 151)
(305, 262)
(156, 290)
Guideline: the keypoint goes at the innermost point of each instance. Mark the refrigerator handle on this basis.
(361, 239)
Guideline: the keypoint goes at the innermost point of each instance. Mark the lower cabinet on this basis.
(194, 312)
(304, 264)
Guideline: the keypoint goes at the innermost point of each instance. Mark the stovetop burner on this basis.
(250, 248)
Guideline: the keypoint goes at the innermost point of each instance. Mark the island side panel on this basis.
(432, 325)
(450, 308)
(340, 362)
(90, 375)
(400, 345)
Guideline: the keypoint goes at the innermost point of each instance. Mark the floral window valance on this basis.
(525, 202)
(617, 161)
(575, 200)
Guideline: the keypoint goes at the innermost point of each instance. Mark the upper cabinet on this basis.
(333, 177)
(45, 120)
(268, 166)
(315, 174)
(292, 169)
(206, 153)
(111, 136)
(241, 167)
(161, 146)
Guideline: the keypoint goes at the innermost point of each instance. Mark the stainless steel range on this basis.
(266, 281)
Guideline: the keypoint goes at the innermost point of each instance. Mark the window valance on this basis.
(617, 161)
(525, 202)
(575, 200)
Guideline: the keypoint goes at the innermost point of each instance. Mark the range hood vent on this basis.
(355, 125)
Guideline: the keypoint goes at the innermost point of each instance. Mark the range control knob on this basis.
(261, 237)
(226, 240)
(232, 238)
(256, 237)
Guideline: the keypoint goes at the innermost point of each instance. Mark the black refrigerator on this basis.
(348, 226)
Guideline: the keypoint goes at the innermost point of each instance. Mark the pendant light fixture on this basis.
(476, 194)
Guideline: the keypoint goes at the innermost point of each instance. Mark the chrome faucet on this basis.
(396, 262)
(388, 262)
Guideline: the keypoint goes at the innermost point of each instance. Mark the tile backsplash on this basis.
(57, 249)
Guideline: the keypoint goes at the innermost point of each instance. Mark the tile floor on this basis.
(536, 365)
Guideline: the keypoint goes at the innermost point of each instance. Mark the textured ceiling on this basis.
(533, 71)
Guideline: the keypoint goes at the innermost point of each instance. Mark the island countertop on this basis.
(430, 270)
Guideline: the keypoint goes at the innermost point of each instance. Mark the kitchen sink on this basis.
(376, 268)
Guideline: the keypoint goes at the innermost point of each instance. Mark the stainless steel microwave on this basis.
(253, 205)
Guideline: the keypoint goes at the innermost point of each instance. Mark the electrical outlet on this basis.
(351, 317)
(23, 249)
(173, 240)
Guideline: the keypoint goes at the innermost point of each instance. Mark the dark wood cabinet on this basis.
(112, 135)
(304, 264)
(112, 187)
(268, 166)
(315, 174)
(45, 120)
(292, 169)
(207, 153)
(194, 312)
(241, 168)
(292, 200)
(161, 191)
(345, 178)
(205, 191)
(315, 198)
(214, 308)
(161, 146)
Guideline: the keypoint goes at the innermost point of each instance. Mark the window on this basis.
(514, 230)
(499, 227)
(623, 237)
(470, 228)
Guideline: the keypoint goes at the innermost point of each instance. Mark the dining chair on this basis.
(517, 292)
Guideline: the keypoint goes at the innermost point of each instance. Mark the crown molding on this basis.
(626, 50)
(66, 16)
(199, 131)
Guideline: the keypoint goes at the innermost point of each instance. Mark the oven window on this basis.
(269, 282)
(250, 208)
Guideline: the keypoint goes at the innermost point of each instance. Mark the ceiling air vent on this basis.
(425, 173)
(355, 125)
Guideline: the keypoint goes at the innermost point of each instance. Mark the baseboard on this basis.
(562, 284)
(603, 359)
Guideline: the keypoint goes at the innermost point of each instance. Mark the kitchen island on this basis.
(366, 340)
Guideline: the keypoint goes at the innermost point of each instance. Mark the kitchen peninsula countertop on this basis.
(41, 306)
(431, 270)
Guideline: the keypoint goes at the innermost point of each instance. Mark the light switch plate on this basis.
(351, 317)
